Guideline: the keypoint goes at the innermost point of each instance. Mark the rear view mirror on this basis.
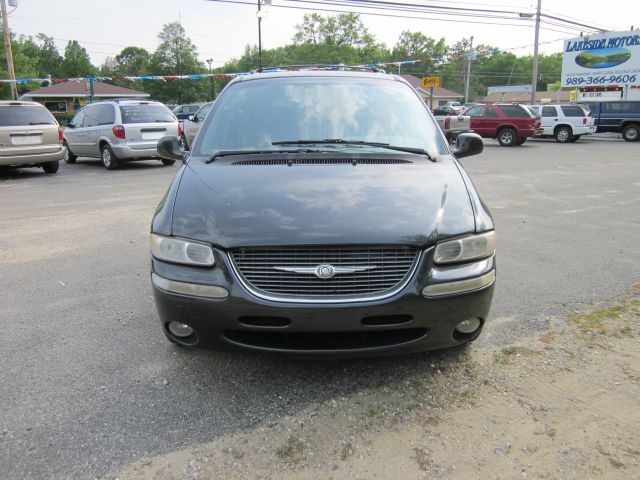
(468, 144)
(169, 148)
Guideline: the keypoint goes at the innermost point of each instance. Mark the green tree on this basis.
(76, 62)
(132, 61)
(344, 29)
(176, 55)
(49, 59)
(416, 46)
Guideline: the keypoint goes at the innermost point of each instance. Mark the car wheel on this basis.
(167, 162)
(631, 133)
(69, 157)
(563, 135)
(51, 167)
(109, 160)
(576, 138)
(521, 140)
(507, 137)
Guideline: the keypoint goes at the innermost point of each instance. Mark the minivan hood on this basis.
(232, 205)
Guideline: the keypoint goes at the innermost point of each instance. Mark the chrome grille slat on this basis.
(256, 266)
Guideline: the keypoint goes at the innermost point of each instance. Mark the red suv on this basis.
(510, 123)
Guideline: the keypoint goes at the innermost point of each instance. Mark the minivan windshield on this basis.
(257, 114)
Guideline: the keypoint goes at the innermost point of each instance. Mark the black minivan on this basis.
(322, 211)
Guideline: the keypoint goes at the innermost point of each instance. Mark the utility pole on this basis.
(210, 61)
(259, 37)
(7, 50)
(534, 73)
(466, 86)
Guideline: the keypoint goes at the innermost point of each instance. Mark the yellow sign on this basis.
(572, 96)
(430, 82)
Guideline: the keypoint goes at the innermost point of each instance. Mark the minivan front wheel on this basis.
(507, 137)
(631, 133)
(109, 160)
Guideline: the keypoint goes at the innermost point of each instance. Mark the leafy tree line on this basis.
(318, 39)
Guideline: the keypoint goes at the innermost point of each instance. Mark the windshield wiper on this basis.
(340, 141)
(225, 153)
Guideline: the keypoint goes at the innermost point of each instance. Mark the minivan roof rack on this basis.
(320, 67)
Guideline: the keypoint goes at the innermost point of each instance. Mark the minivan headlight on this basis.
(466, 248)
(178, 250)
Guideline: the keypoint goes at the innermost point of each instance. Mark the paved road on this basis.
(88, 382)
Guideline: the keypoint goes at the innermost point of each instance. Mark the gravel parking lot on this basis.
(89, 384)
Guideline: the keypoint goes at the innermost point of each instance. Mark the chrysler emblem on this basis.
(325, 271)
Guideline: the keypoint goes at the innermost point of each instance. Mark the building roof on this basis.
(438, 92)
(524, 97)
(77, 88)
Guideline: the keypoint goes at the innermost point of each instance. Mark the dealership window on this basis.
(56, 106)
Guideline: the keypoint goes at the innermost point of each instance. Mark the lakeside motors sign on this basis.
(611, 58)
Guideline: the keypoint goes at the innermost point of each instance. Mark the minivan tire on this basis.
(69, 157)
(563, 135)
(167, 162)
(507, 137)
(109, 160)
(51, 167)
(631, 133)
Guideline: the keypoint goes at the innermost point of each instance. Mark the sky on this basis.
(220, 31)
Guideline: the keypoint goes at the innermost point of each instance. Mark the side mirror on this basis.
(468, 144)
(169, 148)
(71, 125)
(192, 118)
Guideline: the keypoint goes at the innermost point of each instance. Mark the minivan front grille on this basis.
(291, 272)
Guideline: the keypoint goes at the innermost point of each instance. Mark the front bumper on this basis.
(407, 321)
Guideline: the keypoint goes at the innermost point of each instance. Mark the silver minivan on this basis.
(119, 130)
(29, 136)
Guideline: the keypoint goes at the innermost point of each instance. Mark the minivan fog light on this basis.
(181, 330)
(468, 325)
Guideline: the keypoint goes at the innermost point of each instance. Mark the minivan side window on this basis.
(78, 119)
(99, 115)
(549, 112)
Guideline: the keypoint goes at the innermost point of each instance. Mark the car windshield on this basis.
(17, 116)
(253, 115)
(146, 113)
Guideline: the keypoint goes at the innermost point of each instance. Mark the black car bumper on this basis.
(404, 322)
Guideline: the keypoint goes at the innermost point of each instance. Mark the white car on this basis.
(564, 122)
(191, 126)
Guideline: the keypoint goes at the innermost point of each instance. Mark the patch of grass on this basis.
(373, 413)
(507, 354)
(291, 450)
(596, 321)
(627, 331)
